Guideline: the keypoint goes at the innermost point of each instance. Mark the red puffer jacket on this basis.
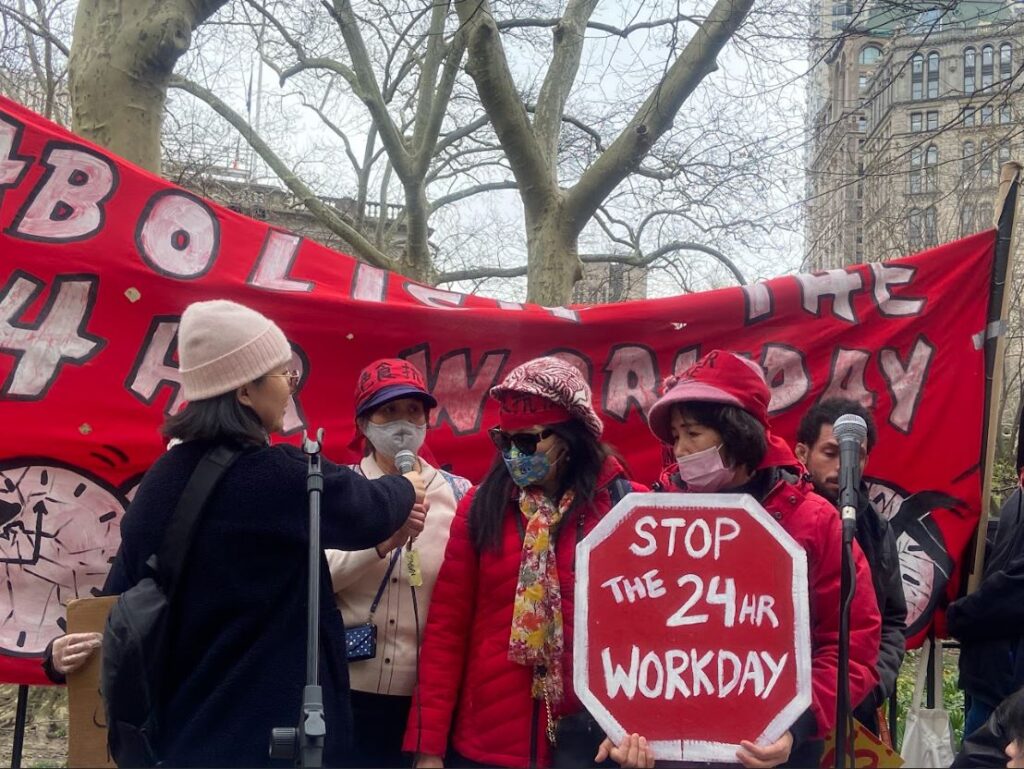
(468, 691)
(814, 523)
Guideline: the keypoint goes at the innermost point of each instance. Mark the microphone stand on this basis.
(306, 743)
(844, 709)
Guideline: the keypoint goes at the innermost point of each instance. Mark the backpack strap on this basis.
(620, 487)
(170, 558)
(384, 582)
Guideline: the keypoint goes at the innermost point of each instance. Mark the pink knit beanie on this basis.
(223, 345)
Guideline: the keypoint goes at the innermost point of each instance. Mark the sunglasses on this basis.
(293, 379)
(525, 443)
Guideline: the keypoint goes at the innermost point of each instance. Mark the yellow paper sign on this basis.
(869, 752)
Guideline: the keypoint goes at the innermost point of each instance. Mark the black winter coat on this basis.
(238, 633)
(876, 539)
(989, 623)
(986, 746)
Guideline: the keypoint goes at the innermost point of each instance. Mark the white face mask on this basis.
(392, 437)
(705, 471)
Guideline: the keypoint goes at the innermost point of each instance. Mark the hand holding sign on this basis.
(714, 592)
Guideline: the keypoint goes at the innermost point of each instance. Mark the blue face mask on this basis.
(526, 469)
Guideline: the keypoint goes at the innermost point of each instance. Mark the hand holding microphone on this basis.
(405, 461)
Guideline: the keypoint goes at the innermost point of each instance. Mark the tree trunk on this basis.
(417, 263)
(122, 57)
(553, 263)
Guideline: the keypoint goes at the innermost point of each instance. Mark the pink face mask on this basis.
(705, 471)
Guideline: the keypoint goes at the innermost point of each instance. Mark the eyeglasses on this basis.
(525, 443)
(293, 379)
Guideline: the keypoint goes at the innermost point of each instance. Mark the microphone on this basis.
(850, 431)
(405, 461)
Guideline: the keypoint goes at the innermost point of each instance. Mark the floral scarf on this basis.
(536, 637)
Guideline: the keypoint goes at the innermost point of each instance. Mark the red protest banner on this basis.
(98, 259)
(714, 593)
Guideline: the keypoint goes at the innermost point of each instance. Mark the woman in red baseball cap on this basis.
(496, 666)
(390, 585)
(714, 417)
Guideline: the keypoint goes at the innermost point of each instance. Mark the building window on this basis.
(1005, 61)
(869, 54)
(931, 169)
(1004, 154)
(933, 120)
(986, 163)
(915, 169)
(927, 21)
(969, 117)
(986, 116)
(987, 61)
(914, 229)
(969, 56)
(917, 76)
(915, 122)
(969, 159)
(862, 123)
(931, 231)
(933, 75)
(1005, 116)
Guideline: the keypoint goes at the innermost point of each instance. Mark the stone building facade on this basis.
(920, 112)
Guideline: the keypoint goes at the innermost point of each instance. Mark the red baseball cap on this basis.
(387, 379)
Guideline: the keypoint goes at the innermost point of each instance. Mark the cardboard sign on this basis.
(87, 726)
(713, 592)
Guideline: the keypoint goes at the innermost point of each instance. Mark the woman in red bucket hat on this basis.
(379, 585)
(714, 417)
(495, 683)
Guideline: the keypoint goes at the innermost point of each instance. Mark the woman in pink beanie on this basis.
(237, 668)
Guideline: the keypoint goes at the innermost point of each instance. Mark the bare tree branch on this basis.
(468, 192)
(659, 110)
(331, 218)
(635, 260)
(500, 97)
(561, 74)
(623, 32)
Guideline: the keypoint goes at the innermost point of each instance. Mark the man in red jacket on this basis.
(715, 419)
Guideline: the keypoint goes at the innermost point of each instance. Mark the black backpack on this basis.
(136, 632)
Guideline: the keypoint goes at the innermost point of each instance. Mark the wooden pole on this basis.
(995, 349)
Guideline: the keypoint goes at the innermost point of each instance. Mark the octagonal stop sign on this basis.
(692, 624)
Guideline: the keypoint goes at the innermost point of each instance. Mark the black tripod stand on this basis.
(305, 744)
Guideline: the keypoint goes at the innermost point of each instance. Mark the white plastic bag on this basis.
(928, 738)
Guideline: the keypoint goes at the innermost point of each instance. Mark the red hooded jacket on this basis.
(814, 523)
(724, 377)
(469, 695)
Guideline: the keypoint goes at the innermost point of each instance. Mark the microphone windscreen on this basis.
(850, 427)
(405, 461)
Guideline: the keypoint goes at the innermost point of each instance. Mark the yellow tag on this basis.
(412, 568)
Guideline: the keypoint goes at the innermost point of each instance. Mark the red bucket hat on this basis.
(721, 377)
(387, 379)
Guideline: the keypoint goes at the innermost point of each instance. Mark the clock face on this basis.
(925, 564)
(59, 531)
